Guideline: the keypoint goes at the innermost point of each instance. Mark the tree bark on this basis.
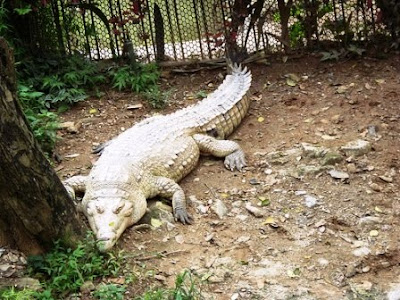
(284, 11)
(35, 208)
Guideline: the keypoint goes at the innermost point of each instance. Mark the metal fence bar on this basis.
(198, 28)
(86, 36)
(151, 26)
(110, 5)
(66, 29)
(179, 29)
(203, 13)
(96, 40)
(171, 29)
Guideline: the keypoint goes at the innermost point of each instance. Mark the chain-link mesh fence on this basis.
(200, 29)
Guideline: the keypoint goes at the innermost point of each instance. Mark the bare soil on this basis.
(344, 247)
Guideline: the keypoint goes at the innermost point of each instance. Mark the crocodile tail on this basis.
(224, 109)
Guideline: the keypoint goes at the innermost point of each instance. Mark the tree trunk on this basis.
(35, 208)
(284, 11)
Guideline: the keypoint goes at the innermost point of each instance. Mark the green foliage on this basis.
(13, 294)
(156, 98)
(4, 27)
(23, 10)
(64, 270)
(351, 51)
(43, 122)
(201, 94)
(185, 289)
(137, 78)
(110, 292)
(53, 83)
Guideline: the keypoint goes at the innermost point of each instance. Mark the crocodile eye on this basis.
(119, 207)
(99, 208)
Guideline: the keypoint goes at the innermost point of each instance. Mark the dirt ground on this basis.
(314, 236)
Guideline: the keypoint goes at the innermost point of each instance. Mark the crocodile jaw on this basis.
(109, 217)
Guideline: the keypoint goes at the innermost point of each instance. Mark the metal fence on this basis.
(197, 29)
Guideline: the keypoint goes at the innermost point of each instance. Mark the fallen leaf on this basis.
(374, 233)
(256, 96)
(155, 222)
(224, 195)
(367, 86)
(93, 111)
(119, 280)
(290, 82)
(269, 220)
(377, 209)
(380, 81)
(260, 119)
(294, 273)
(134, 106)
(293, 77)
(264, 201)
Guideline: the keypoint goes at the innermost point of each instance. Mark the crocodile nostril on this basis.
(105, 237)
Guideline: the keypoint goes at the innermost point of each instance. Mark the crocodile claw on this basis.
(235, 160)
(182, 216)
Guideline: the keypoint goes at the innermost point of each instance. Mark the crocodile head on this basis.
(109, 217)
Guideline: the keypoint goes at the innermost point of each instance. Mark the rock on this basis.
(338, 174)
(331, 158)
(268, 171)
(352, 168)
(255, 211)
(363, 251)
(87, 287)
(369, 220)
(220, 208)
(310, 201)
(394, 293)
(375, 187)
(323, 262)
(21, 283)
(356, 148)
(313, 151)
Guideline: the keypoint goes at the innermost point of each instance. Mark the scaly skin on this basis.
(151, 157)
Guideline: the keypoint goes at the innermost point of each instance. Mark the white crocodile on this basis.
(152, 156)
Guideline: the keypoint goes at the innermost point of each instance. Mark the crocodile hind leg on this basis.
(234, 155)
(168, 188)
(75, 184)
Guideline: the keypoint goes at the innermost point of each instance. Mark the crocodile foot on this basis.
(235, 160)
(182, 216)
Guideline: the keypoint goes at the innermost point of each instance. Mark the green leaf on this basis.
(23, 10)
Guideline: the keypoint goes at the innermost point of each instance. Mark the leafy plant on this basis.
(110, 292)
(201, 94)
(138, 78)
(185, 289)
(53, 83)
(157, 98)
(13, 294)
(64, 270)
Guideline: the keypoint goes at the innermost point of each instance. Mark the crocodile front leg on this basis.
(234, 155)
(168, 188)
(75, 184)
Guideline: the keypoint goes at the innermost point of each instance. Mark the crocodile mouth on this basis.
(106, 242)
